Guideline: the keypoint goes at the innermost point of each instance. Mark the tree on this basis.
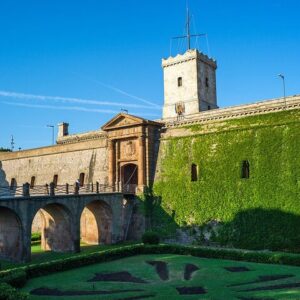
(4, 149)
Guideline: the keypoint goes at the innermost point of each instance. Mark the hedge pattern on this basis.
(17, 277)
(261, 212)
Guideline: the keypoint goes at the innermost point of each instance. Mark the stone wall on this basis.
(67, 161)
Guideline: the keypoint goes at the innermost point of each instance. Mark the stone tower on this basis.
(189, 84)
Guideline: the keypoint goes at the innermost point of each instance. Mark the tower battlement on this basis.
(188, 55)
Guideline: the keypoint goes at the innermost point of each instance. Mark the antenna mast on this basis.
(188, 20)
(188, 35)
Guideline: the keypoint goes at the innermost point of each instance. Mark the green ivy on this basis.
(258, 213)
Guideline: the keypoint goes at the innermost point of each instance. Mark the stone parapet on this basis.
(74, 138)
(239, 111)
(79, 145)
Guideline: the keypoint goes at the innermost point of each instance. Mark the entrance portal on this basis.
(129, 175)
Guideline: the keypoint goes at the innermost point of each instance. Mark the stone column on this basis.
(117, 151)
(141, 162)
(111, 167)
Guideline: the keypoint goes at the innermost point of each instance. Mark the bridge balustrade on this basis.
(52, 190)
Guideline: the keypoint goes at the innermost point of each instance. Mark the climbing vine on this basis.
(260, 212)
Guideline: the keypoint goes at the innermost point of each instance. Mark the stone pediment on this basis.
(125, 120)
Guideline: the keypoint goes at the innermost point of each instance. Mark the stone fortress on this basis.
(125, 151)
(126, 155)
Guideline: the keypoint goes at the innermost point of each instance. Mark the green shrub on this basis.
(150, 238)
(36, 236)
(16, 277)
(9, 293)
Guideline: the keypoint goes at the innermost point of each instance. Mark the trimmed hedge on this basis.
(17, 277)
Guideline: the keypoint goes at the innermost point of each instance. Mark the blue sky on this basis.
(82, 61)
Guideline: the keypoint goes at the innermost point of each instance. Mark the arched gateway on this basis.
(131, 152)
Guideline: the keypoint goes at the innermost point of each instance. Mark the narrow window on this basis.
(194, 172)
(179, 81)
(208, 107)
(13, 183)
(245, 169)
(55, 179)
(81, 179)
(206, 82)
(32, 182)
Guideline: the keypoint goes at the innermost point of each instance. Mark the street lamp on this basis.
(283, 82)
(52, 126)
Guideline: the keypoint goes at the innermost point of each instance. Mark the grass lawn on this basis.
(38, 255)
(211, 276)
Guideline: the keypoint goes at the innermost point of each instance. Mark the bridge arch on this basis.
(11, 235)
(96, 223)
(55, 223)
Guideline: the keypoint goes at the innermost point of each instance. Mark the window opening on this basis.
(194, 172)
(81, 179)
(55, 180)
(13, 183)
(32, 182)
(207, 82)
(179, 81)
(245, 169)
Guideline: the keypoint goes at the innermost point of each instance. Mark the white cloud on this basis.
(73, 108)
(23, 96)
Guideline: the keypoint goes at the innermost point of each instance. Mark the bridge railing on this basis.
(14, 191)
(129, 189)
(52, 189)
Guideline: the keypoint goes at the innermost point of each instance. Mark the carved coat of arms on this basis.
(130, 149)
(179, 108)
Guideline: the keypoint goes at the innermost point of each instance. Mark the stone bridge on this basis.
(64, 221)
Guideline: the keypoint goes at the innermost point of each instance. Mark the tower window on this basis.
(194, 172)
(179, 81)
(81, 179)
(245, 169)
(207, 82)
(13, 183)
(55, 179)
(32, 182)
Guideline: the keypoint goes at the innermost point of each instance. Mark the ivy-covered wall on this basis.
(262, 212)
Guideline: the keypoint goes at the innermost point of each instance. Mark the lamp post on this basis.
(283, 82)
(52, 126)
